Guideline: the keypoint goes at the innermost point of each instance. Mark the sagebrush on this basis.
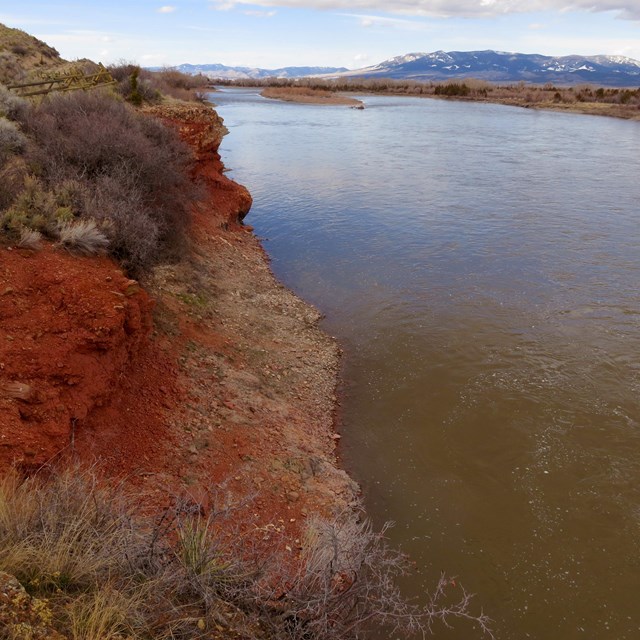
(92, 157)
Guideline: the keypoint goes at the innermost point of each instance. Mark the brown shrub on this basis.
(151, 86)
(12, 106)
(12, 140)
(99, 158)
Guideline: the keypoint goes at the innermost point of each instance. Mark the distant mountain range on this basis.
(498, 66)
(233, 73)
(494, 66)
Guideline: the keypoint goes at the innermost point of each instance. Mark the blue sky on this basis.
(275, 33)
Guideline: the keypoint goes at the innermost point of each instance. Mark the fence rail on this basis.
(73, 80)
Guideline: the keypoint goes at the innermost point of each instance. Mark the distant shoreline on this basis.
(586, 100)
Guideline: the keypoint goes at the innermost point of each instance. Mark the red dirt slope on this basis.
(68, 332)
(230, 392)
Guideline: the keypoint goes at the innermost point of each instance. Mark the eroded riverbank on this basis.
(227, 381)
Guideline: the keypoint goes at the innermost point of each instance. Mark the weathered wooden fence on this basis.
(73, 80)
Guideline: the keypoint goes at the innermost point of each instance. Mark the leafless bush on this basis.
(176, 84)
(12, 140)
(83, 237)
(11, 106)
(347, 587)
(153, 85)
(103, 160)
(12, 176)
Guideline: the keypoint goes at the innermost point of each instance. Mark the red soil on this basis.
(68, 333)
(223, 391)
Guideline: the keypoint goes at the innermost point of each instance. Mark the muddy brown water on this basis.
(480, 266)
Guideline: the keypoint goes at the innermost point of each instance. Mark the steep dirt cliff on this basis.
(211, 378)
(69, 331)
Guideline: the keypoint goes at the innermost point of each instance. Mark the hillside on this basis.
(22, 54)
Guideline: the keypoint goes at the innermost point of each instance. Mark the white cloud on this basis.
(226, 5)
(451, 8)
(259, 14)
(166, 9)
(153, 57)
(78, 36)
(394, 23)
(567, 45)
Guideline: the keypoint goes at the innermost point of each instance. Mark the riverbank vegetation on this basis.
(588, 99)
(78, 562)
(308, 95)
(90, 171)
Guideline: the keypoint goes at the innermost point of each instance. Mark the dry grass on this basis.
(107, 574)
(83, 237)
(62, 535)
(104, 614)
(21, 54)
(30, 239)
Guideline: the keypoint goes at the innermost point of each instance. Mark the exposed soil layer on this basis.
(211, 381)
(69, 330)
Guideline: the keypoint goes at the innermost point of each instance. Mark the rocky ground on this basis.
(208, 381)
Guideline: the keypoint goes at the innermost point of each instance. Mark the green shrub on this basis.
(134, 96)
(34, 208)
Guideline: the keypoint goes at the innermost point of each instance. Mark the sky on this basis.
(278, 33)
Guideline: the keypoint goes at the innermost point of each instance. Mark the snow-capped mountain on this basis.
(494, 66)
(231, 73)
(500, 66)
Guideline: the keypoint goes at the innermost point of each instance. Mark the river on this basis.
(480, 266)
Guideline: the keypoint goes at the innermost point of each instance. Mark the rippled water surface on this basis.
(480, 265)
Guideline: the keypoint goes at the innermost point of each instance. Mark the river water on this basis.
(480, 266)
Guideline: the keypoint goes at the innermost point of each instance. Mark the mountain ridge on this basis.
(438, 66)
(222, 71)
(502, 66)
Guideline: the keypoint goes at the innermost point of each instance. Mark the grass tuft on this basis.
(83, 237)
(29, 239)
